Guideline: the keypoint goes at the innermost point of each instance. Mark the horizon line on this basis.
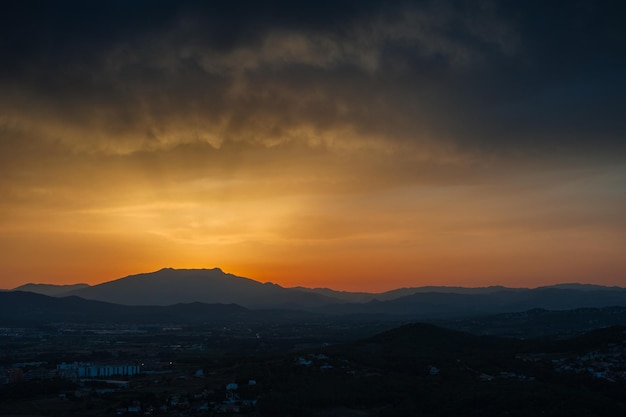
(317, 287)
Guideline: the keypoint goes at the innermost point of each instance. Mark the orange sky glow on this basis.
(387, 154)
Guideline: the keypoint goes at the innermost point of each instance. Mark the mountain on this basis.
(583, 287)
(420, 369)
(418, 341)
(49, 289)
(27, 308)
(364, 297)
(437, 304)
(343, 296)
(540, 322)
(170, 286)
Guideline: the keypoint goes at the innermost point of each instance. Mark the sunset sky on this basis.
(348, 144)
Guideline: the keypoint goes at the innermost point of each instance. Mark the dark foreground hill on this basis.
(540, 322)
(428, 371)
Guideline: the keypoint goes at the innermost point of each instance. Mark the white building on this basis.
(88, 370)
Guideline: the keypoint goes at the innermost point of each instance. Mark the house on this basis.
(303, 362)
(14, 375)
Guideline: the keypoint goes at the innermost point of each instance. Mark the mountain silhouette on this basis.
(50, 289)
(170, 286)
(24, 308)
(439, 304)
(174, 286)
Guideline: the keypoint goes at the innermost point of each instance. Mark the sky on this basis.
(355, 145)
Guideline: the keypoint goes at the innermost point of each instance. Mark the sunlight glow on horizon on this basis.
(490, 230)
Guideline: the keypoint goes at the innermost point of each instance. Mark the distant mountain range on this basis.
(449, 304)
(26, 308)
(168, 287)
(171, 286)
(50, 289)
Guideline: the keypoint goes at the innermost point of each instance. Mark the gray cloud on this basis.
(459, 77)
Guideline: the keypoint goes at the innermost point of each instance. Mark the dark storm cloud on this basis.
(480, 76)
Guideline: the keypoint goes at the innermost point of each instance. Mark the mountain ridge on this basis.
(19, 308)
(49, 289)
(169, 286)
